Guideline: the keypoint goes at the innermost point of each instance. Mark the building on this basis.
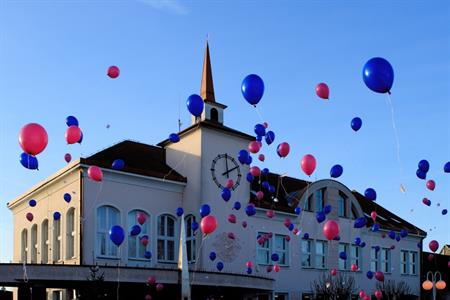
(156, 180)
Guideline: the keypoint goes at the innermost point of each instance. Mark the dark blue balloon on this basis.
(360, 222)
(205, 210)
(179, 211)
(297, 210)
(237, 205)
(135, 230)
(327, 209)
(260, 130)
(424, 165)
(421, 174)
(250, 210)
(226, 194)
(403, 233)
(252, 88)
(265, 171)
(212, 256)
(274, 257)
(378, 75)
(56, 216)
(369, 274)
(356, 124)
(250, 177)
(336, 171)
(444, 211)
(174, 138)
(147, 254)
(358, 241)
(419, 245)
(272, 189)
(397, 238)
(320, 216)
(67, 197)
(249, 160)
(194, 225)
(306, 236)
(29, 161)
(362, 245)
(391, 234)
(32, 203)
(81, 138)
(265, 185)
(249, 271)
(243, 156)
(291, 227)
(116, 235)
(259, 138)
(118, 164)
(377, 248)
(370, 194)
(195, 105)
(71, 121)
(375, 227)
(219, 266)
(270, 137)
(447, 167)
(337, 238)
(343, 255)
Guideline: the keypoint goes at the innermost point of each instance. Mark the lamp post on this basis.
(433, 283)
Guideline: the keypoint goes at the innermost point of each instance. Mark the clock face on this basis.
(223, 168)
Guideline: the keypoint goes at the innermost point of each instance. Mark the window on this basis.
(44, 242)
(136, 249)
(355, 256)
(24, 248)
(408, 262)
(342, 205)
(380, 260)
(214, 115)
(107, 216)
(263, 251)
(190, 239)
(321, 254)
(308, 203)
(374, 260)
(70, 233)
(56, 247)
(166, 238)
(320, 194)
(281, 296)
(306, 253)
(343, 263)
(34, 244)
(281, 248)
(277, 244)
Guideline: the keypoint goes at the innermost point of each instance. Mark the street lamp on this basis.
(434, 283)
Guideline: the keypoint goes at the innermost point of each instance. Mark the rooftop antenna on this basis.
(179, 114)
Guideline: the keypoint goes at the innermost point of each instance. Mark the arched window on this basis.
(214, 115)
(44, 242)
(342, 205)
(34, 244)
(56, 247)
(70, 233)
(166, 238)
(24, 246)
(136, 249)
(107, 216)
(190, 239)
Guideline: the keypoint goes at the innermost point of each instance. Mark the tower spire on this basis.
(207, 86)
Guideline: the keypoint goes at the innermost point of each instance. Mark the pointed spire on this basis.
(207, 87)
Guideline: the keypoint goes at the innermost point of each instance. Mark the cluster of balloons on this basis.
(33, 139)
(73, 132)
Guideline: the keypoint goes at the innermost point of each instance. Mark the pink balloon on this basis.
(208, 224)
(151, 280)
(323, 91)
(159, 287)
(362, 294)
(295, 231)
(308, 164)
(287, 238)
(354, 267)
(244, 224)
(270, 214)
(430, 257)
(255, 171)
(29, 216)
(259, 195)
(330, 229)
(95, 173)
(448, 264)
(73, 134)
(266, 125)
(67, 157)
(283, 149)
(249, 264)
(276, 268)
(261, 157)
(254, 146)
(33, 138)
(230, 183)
(379, 276)
(232, 218)
(141, 218)
(269, 269)
(378, 294)
(333, 272)
(434, 245)
(144, 242)
(373, 215)
(113, 72)
(431, 185)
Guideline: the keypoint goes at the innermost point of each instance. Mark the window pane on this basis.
(319, 200)
(170, 227)
(170, 250)
(306, 253)
(263, 256)
(161, 250)
(132, 246)
(101, 218)
(161, 225)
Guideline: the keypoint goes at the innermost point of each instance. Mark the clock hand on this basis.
(228, 171)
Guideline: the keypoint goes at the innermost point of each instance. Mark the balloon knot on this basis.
(389, 92)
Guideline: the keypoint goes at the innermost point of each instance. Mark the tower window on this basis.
(214, 115)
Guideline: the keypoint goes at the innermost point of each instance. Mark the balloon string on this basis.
(197, 259)
(259, 114)
(179, 162)
(118, 273)
(90, 210)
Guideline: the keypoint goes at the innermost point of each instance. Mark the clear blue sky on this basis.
(54, 56)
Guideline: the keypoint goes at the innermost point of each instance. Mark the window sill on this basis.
(139, 259)
(308, 268)
(167, 262)
(108, 257)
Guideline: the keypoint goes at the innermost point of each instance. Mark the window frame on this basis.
(308, 253)
(342, 198)
(132, 215)
(191, 239)
(270, 248)
(355, 259)
(111, 250)
(34, 243)
(70, 233)
(266, 248)
(319, 199)
(45, 242)
(56, 245)
(24, 246)
(166, 239)
(282, 252)
(383, 265)
(408, 264)
(345, 261)
(324, 255)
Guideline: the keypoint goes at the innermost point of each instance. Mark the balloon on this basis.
(113, 72)
(226, 194)
(397, 238)
(135, 230)
(373, 215)
(358, 241)
(261, 157)
(426, 201)
(283, 149)
(259, 138)
(29, 161)
(118, 164)
(67, 157)
(369, 274)
(379, 276)
(375, 227)
(194, 225)
(287, 238)
(354, 267)
(356, 124)
(424, 165)
(144, 240)
(232, 218)
(32, 203)
(219, 266)
(270, 214)
(212, 255)
(336, 171)
(275, 257)
(363, 244)
(229, 183)
(179, 211)
(208, 224)
(320, 216)
(343, 255)
(205, 210)
(29, 216)
(151, 280)
(174, 138)
(265, 171)
(297, 210)
(71, 121)
(327, 209)
(362, 294)
(250, 177)
(447, 167)
(378, 75)
(56, 216)
(250, 210)
(259, 195)
(444, 212)
(391, 234)
(243, 156)
(260, 130)
(403, 233)
(33, 138)
(244, 224)
(330, 229)
(378, 294)
(159, 287)
(147, 254)
(434, 245)
(255, 171)
(333, 272)
(254, 147)
(431, 185)
(95, 173)
(323, 91)
(421, 174)
(195, 105)
(249, 271)
(306, 236)
(249, 160)
(67, 197)
(237, 205)
(73, 134)
(265, 185)
(270, 137)
(252, 89)
(81, 138)
(360, 222)
(276, 268)
(117, 235)
(370, 194)
(308, 164)
(141, 217)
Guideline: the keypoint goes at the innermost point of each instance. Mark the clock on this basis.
(223, 168)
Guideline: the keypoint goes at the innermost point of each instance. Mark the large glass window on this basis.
(277, 244)
(342, 205)
(107, 217)
(70, 233)
(408, 262)
(56, 246)
(343, 263)
(306, 253)
(34, 244)
(136, 249)
(374, 259)
(320, 197)
(166, 238)
(281, 248)
(44, 242)
(263, 250)
(308, 203)
(321, 254)
(380, 260)
(24, 246)
(190, 239)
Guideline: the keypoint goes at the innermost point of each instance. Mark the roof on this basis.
(207, 85)
(139, 158)
(289, 191)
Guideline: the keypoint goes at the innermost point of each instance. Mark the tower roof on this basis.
(207, 86)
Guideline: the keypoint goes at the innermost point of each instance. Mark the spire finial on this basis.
(207, 86)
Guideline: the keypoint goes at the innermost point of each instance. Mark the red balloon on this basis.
(333, 272)
(95, 173)
(141, 218)
(270, 214)
(230, 183)
(67, 157)
(33, 138)
(379, 276)
(287, 238)
(249, 264)
(144, 242)
(330, 229)
(113, 72)
(434, 245)
(244, 224)
(323, 91)
(378, 294)
(366, 297)
(29, 216)
(308, 164)
(151, 280)
(283, 149)
(431, 185)
(73, 134)
(259, 195)
(276, 268)
(362, 294)
(373, 215)
(254, 146)
(430, 257)
(208, 224)
(255, 171)
(159, 287)
(232, 218)
(354, 267)
(261, 157)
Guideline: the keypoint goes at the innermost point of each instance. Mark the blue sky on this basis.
(54, 56)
